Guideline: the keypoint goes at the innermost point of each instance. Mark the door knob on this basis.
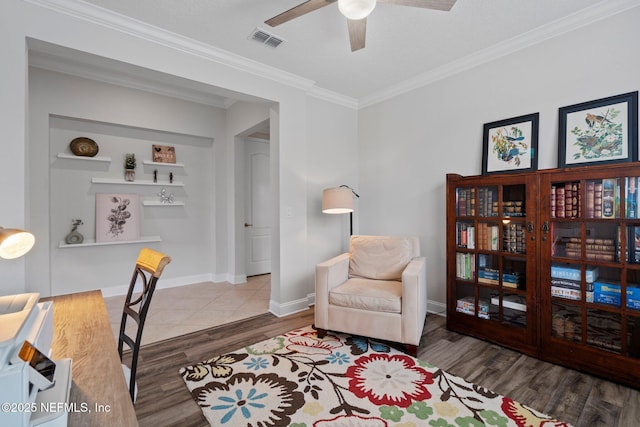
(248, 225)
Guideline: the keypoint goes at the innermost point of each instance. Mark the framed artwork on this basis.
(163, 153)
(511, 145)
(117, 217)
(600, 131)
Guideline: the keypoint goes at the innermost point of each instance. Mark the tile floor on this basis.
(180, 310)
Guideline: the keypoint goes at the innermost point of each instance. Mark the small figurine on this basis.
(163, 196)
(171, 177)
(74, 237)
(155, 175)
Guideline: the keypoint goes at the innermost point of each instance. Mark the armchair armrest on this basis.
(329, 274)
(414, 299)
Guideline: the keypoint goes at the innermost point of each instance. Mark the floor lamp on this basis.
(339, 200)
(14, 243)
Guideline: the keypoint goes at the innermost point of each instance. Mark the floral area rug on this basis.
(299, 380)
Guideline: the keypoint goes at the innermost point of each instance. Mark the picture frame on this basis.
(511, 145)
(117, 217)
(599, 132)
(163, 153)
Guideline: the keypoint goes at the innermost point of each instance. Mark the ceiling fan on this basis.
(356, 12)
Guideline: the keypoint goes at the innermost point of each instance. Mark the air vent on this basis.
(266, 38)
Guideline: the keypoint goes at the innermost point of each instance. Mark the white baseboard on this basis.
(288, 308)
(162, 284)
(435, 307)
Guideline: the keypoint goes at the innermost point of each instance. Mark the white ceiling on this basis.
(403, 43)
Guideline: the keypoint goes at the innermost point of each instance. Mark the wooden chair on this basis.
(147, 271)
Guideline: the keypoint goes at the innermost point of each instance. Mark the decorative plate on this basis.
(84, 147)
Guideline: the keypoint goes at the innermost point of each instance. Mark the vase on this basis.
(129, 175)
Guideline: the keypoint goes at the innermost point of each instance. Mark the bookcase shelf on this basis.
(570, 257)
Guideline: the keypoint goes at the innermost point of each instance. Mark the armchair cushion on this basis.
(380, 257)
(365, 294)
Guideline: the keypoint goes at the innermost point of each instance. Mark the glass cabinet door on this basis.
(591, 281)
(492, 234)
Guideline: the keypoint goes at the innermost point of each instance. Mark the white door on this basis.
(257, 209)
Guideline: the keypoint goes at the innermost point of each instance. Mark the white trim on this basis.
(333, 97)
(587, 16)
(288, 308)
(145, 31)
(162, 284)
(436, 307)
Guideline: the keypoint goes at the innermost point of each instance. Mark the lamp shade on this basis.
(356, 9)
(14, 243)
(338, 200)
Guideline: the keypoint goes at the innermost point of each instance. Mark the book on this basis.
(572, 294)
(608, 198)
(515, 302)
(565, 271)
(597, 200)
(631, 199)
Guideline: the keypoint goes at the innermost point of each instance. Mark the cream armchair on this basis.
(377, 290)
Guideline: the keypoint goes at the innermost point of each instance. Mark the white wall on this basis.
(330, 162)
(409, 143)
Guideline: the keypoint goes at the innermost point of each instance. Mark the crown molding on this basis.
(333, 97)
(142, 30)
(584, 17)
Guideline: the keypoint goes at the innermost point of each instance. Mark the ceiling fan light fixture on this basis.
(356, 9)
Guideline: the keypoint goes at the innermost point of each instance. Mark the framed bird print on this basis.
(511, 145)
(600, 131)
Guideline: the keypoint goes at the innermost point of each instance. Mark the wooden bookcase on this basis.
(573, 259)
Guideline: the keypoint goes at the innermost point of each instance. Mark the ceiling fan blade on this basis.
(297, 11)
(445, 5)
(357, 33)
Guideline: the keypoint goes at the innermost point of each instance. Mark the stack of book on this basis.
(465, 305)
(513, 238)
(465, 235)
(566, 281)
(596, 249)
(487, 201)
(487, 239)
(466, 203)
(565, 200)
(465, 266)
(602, 198)
(513, 208)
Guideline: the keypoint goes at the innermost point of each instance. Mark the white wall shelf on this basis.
(121, 181)
(91, 159)
(92, 242)
(157, 203)
(174, 165)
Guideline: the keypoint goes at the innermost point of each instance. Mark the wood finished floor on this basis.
(574, 397)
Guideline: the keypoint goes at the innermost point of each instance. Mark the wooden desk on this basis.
(82, 332)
